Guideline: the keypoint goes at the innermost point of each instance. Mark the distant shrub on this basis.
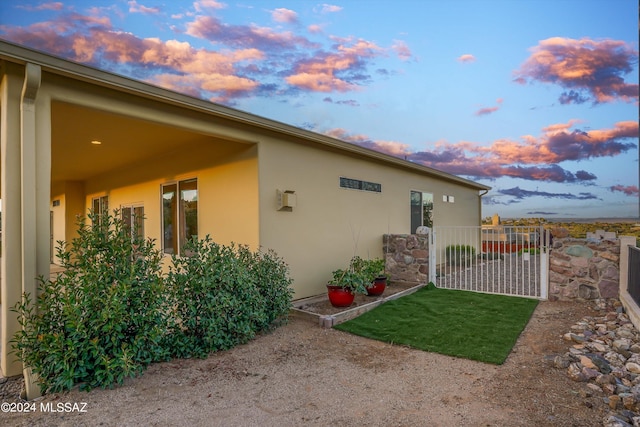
(459, 254)
(492, 255)
(532, 251)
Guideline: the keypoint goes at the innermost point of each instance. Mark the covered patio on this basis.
(67, 144)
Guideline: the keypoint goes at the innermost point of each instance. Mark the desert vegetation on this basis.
(579, 228)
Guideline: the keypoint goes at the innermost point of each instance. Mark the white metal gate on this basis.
(510, 260)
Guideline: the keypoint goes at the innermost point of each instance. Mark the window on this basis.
(179, 214)
(100, 208)
(133, 220)
(357, 184)
(421, 210)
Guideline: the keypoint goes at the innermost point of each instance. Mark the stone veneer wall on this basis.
(584, 268)
(578, 268)
(406, 257)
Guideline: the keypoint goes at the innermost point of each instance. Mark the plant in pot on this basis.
(343, 286)
(373, 271)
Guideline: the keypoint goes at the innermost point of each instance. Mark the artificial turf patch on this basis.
(465, 324)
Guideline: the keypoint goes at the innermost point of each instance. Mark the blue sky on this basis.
(536, 98)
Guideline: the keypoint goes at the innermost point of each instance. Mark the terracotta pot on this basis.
(377, 287)
(339, 297)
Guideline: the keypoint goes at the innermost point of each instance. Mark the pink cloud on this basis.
(560, 127)
(134, 7)
(320, 73)
(44, 6)
(211, 28)
(467, 57)
(587, 69)
(315, 29)
(329, 8)
(262, 59)
(629, 190)
(488, 110)
(177, 65)
(392, 148)
(201, 5)
(284, 15)
(532, 158)
(555, 145)
(320, 82)
(402, 50)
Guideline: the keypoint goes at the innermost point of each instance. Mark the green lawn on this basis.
(465, 324)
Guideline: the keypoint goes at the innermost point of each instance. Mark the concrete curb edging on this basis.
(330, 320)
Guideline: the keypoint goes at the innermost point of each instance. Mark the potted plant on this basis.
(373, 271)
(345, 283)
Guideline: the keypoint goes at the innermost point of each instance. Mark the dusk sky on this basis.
(536, 98)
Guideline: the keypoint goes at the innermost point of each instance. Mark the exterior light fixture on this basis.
(96, 142)
(286, 200)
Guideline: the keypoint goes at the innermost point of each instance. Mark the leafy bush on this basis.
(459, 254)
(112, 312)
(271, 275)
(223, 296)
(102, 319)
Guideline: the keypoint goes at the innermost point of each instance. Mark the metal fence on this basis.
(494, 259)
(633, 283)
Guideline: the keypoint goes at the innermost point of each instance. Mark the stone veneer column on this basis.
(406, 257)
(584, 269)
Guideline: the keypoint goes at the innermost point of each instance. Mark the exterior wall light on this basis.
(286, 200)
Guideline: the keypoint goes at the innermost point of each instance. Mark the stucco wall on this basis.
(239, 169)
(331, 224)
(227, 192)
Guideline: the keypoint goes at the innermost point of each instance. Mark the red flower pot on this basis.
(377, 287)
(340, 297)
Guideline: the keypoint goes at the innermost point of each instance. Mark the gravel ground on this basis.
(302, 374)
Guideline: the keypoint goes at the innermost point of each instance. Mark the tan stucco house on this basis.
(75, 138)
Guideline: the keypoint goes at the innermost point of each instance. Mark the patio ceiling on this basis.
(125, 141)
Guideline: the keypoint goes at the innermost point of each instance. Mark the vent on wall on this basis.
(357, 184)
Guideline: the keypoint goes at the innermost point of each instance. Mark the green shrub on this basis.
(459, 254)
(271, 275)
(223, 296)
(103, 318)
(532, 251)
(112, 312)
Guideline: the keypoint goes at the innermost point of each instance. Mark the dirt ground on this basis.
(301, 374)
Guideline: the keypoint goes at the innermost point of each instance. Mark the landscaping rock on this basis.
(605, 353)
